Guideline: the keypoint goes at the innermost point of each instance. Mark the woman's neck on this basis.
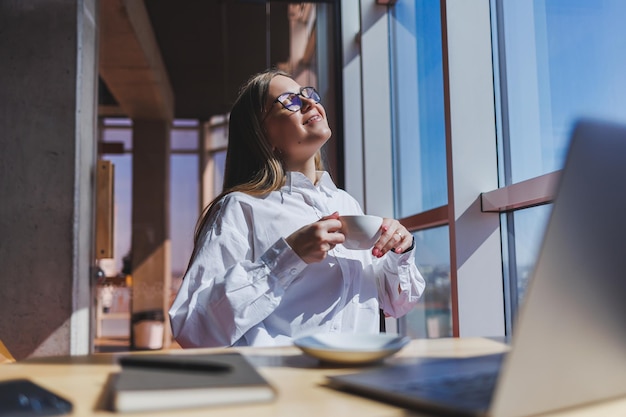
(308, 169)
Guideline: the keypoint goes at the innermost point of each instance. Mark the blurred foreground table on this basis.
(298, 379)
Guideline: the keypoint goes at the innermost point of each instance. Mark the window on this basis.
(417, 106)
(184, 187)
(432, 316)
(419, 155)
(116, 146)
(557, 60)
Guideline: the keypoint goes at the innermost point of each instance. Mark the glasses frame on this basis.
(293, 101)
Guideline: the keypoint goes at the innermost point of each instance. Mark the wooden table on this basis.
(299, 381)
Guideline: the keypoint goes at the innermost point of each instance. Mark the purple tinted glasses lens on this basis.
(293, 101)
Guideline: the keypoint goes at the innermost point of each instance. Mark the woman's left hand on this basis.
(394, 237)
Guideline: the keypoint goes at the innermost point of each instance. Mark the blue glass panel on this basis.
(184, 208)
(219, 159)
(184, 139)
(419, 141)
(433, 315)
(564, 60)
(530, 226)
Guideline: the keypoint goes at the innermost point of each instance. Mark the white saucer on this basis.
(351, 349)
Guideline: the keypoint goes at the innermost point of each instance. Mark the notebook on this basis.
(151, 382)
(569, 345)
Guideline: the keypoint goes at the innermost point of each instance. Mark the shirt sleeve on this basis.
(400, 284)
(225, 292)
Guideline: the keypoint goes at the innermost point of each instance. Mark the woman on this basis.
(268, 264)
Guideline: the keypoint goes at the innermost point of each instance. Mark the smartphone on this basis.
(24, 398)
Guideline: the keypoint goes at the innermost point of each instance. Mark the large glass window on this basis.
(419, 157)
(417, 107)
(560, 60)
(557, 61)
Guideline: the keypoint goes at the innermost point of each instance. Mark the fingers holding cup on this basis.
(394, 238)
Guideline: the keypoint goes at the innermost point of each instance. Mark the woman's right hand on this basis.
(312, 242)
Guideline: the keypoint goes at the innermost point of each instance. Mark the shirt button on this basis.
(293, 271)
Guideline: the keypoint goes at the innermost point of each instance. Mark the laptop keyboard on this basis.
(473, 390)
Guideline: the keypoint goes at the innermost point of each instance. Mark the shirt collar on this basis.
(299, 180)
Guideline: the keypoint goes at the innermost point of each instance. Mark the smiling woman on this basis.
(269, 264)
(295, 124)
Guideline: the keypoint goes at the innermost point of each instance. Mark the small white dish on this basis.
(361, 231)
(350, 348)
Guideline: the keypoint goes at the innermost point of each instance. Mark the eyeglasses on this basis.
(293, 101)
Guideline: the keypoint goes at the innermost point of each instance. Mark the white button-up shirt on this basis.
(246, 286)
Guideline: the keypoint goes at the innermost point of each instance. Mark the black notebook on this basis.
(160, 382)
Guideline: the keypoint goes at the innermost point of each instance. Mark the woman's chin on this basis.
(323, 132)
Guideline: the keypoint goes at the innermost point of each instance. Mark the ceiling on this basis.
(185, 59)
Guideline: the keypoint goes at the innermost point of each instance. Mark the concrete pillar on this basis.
(150, 218)
(47, 161)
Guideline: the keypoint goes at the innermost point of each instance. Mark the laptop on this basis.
(569, 345)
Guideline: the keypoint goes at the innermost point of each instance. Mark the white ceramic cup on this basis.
(361, 231)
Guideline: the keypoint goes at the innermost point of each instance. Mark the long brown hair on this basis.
(251, 165)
